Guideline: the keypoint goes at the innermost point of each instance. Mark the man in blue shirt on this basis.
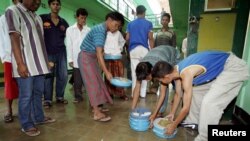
(140, 38)
(210, 80)
(54, 34)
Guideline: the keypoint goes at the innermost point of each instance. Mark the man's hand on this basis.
(71, 64)
(170, 117)
(170, 129)
(108, 75)
(51, 65)
(22, 70)
(152, 118)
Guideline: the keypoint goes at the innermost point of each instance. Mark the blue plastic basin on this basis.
(160, 131)
(139, 122)
(112, 57)
(163, 135)
(121, 82)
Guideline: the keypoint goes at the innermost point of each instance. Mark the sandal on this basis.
(102, 118)
(47, 105)
(46, 120)
(62, 101)
(32, 132)
(8, 118)
(124, 97)
(102, 109)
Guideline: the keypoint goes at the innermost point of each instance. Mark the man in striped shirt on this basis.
(29, 62)
(92, 53)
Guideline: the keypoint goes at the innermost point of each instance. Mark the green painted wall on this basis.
(179, 10)
(68, 13)
(4, 4)
(242, 7)
(243, 100)
(145, 4)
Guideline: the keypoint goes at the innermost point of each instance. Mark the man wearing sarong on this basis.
(91, 54)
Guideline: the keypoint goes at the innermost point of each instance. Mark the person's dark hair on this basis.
(143, 69)
(161, 69)
(166, 15)
(81, 11)
(115, 16)
(140, 9)
(50, 1)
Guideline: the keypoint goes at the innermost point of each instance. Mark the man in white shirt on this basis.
(114, 46)
(114, 43)
(74, 37)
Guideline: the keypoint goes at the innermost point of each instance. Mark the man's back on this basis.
(138, 31)
(162, 53)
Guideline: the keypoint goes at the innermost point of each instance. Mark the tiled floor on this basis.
(75, 123)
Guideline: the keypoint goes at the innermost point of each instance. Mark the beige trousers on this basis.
(136, 55)
(210, 100)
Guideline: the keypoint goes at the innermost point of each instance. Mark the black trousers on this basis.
(78, 83)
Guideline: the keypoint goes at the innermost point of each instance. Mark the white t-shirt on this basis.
(114, 43)
(5, 45)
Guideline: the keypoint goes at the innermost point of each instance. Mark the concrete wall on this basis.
(216, 31)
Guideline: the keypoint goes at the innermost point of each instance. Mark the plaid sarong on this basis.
(92, 79)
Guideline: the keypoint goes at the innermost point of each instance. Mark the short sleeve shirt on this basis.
(95, 38)
(29, 25)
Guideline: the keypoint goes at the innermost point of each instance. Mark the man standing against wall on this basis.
(54, 35)
(139, 34)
